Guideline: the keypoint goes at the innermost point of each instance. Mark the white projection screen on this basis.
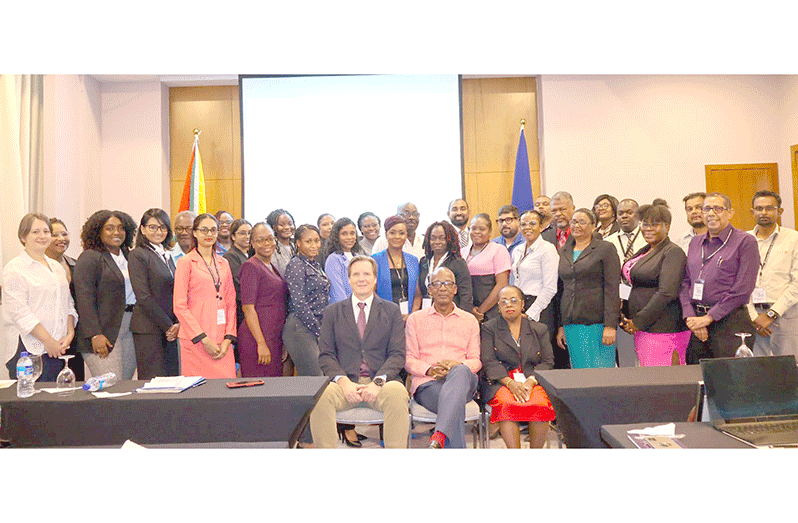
(348, 144)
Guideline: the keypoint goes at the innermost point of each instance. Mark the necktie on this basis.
(628, 253)
(361, 319)
(463, 238)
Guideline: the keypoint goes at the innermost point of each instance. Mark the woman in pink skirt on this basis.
(653, 312)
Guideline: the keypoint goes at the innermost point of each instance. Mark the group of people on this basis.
(388, 317)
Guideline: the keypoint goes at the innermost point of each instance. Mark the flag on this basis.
(194, 190)
(522, 185)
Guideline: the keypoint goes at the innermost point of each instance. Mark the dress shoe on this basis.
(349, 443)
(434, 445)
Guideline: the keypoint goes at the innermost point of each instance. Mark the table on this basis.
(586, 399)
(696, 436)
(203, 416)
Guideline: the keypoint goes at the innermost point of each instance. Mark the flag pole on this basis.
(523, 123)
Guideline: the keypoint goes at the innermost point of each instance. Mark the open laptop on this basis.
(754, 399)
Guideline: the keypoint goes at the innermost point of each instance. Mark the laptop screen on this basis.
(741, 388)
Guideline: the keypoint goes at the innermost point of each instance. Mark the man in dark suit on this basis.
(362, 349)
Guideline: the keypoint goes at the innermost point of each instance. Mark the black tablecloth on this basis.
(209, 413)
(586, 399)
(696, 436)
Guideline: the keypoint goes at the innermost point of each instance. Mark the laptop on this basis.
(755, 399)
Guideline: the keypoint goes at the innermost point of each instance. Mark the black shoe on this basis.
(342, 434)
(360, 437)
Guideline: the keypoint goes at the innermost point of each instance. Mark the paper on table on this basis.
(101, 394)
(4, 384)
(54, 390)
(132, 445)
(669, 429)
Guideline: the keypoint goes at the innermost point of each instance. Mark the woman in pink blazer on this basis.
(205, 306)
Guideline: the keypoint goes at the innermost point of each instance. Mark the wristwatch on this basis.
(379, 381)
(773, 315)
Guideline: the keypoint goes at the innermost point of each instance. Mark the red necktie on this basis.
(361, 319)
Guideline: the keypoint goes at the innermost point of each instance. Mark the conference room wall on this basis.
(651, 136)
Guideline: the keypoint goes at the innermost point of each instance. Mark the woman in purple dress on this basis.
(263, 300)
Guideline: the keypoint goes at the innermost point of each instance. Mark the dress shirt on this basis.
(519, 239)
(32, 294)
(356, 311)
(176, 252)
(684, 241)
(309, 291)
(432, 337)
(621, 239)
(779, 276)
(535, 273)
(463, 235)
(121, 262)
(728, 264)
(416, 249)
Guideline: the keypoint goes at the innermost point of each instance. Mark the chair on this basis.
(473, 414)
(365, 416)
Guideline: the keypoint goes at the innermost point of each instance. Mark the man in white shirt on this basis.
(415, 242)
(628, 239)
(459, 216)
(693, 207)
(773, 303)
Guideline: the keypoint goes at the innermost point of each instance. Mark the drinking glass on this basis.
(743, 351)
(66, 378)
(37, 366)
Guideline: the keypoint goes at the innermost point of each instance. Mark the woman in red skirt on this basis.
(513, 347)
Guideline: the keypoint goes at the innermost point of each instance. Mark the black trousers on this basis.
(155, 356)
(722, 342)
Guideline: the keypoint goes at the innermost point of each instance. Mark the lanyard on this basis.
(704, 259)
(434, 266)
(217, 282)
(631, 243)
(762, 265)
(399, 272)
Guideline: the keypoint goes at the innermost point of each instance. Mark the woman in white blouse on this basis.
(535, 270)
(36, 299)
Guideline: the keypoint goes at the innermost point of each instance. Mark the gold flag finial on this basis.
(197, 132)
(523, 122)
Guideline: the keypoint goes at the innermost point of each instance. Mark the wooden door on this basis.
(794, 157)
(740, 183)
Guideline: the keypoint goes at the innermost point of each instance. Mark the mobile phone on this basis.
(239, 384)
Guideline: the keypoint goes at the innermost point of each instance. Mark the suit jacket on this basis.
(383, 345)
(550, 233)
(653, 304)
(500, 354)
(384, 289)
(590, 284)
(464, 298)
(154, 283)
(100, 293)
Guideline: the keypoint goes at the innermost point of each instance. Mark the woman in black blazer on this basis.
(152, 274)
(105, 296)
(653, 312)
(590, 273)
(442, 249)
(513, 348)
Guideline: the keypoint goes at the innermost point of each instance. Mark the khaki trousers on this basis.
(392, 401)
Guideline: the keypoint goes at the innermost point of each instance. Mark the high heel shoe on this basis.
(342, 434)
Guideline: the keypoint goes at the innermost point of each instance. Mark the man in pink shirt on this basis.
(443, 359)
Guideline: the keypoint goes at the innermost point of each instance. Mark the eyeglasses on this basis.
(225, 222)
(602, 206)
(262, 241)
(206, 231)
(647, 225)
(407, 214)
(179, 230)
(442, 284)
(581, 223)
(244, 233)
(717, 208)
(509, 301)
(156, 228)
(766, 208)
(511, 219)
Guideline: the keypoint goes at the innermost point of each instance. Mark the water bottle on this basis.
(25, 379)
(103, 381)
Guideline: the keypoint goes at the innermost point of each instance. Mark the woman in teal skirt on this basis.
(590, 303)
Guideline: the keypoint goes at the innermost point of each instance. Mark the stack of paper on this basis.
(171, 384)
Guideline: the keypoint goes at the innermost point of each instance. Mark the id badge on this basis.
(517, 374)
(759, 295)
(698, 290)
(220, 319)
(625, 290)
(403, 308)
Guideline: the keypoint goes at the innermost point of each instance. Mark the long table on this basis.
(696, 436)
(211, 414)
(586, 399)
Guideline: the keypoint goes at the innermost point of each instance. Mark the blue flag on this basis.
(522, 185)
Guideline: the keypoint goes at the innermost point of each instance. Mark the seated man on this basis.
(362, 348)
(443, 359)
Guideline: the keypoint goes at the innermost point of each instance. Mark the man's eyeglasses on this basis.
(716, 208)
(442, 285)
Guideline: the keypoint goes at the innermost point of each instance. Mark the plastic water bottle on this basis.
(103, 381)
(25, 379)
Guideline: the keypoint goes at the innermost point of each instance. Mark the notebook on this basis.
(754, 399)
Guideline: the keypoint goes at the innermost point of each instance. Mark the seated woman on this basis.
(442, 249)
(653, 313)
(513, 348)
(37, 301)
